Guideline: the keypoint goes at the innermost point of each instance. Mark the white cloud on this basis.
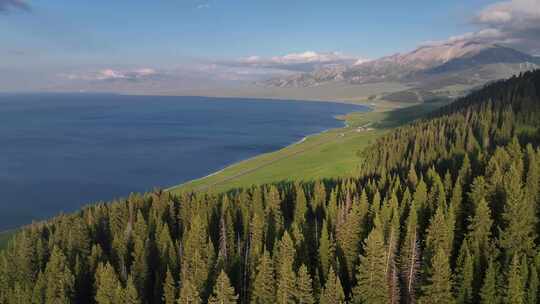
(113, 74)
(511, 13)
(296, 58)
(514, 23)
(298, 62)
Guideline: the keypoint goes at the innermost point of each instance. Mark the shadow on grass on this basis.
(398, 117)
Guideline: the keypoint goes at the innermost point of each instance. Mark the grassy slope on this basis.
(329, 154)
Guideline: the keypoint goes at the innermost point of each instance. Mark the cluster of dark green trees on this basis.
(444, 210)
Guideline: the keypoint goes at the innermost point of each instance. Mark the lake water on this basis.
(61, 151)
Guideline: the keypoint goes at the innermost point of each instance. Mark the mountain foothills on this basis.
(443, 210)
(431, 67)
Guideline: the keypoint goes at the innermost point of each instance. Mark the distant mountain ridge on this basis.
(428, 66)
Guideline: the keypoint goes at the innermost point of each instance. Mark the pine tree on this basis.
(489, 294)
(332, 292)
(518, 235)
(285, 255)
(139, 268)
(286, 287)
(515, 292)
(410, 256)
(188, 292)
(223, 292)
(304, 288)
(130, 293)
(300, 207)
(371, 273)
(438, 235)
(198, 254)
(264, 286)
(169, 289)
(532, 288)
(326, 248)
(60, 280)
(349, 235)
(480, 230)
(106, 285)
(439, 286)
(38, 292)
(465, 270)
(275, 220)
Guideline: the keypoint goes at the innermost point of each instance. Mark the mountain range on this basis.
(429, 67)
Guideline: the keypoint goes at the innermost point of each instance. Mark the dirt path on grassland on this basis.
(287, 156)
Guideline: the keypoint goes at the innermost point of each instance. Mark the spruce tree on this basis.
(519, 215)
(169, 289)
(371, 273)
(301, 206)
(189, 294)
(304, 288)
(223, 292)
(38, 292)
(515, 292)
(131, 295)
(349, 235)
(410, 256)
(465, 277)
(60, 280)
(264, 286)
(107, 284)
(332, 292)
(489, 294)
(286, 287)
(439, 284)
(326, 248)
(532, 288)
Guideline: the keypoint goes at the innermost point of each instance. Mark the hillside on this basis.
(442, 210)
(429, 67)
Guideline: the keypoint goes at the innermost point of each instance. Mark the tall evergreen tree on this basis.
(371, 273)
(131, 295)
(60, 280)
(410, 256)
(223, 291)
(304, 288)
(169, 289)
(518, 235)
(332, 292)
(489, 294)
(264, 286)
(515, 292)
(439, 284)
(107, 284)
(189, 293)
(465, 278)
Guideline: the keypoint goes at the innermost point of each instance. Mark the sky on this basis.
(57, 43)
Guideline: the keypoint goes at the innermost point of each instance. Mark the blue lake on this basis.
(61, 151)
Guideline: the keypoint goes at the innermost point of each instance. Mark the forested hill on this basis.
(444, 210)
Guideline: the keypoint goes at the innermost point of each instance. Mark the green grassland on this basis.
(333, 153)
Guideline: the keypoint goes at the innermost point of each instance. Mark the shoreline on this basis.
(342, 118)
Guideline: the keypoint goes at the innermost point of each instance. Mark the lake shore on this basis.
(331, 153)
